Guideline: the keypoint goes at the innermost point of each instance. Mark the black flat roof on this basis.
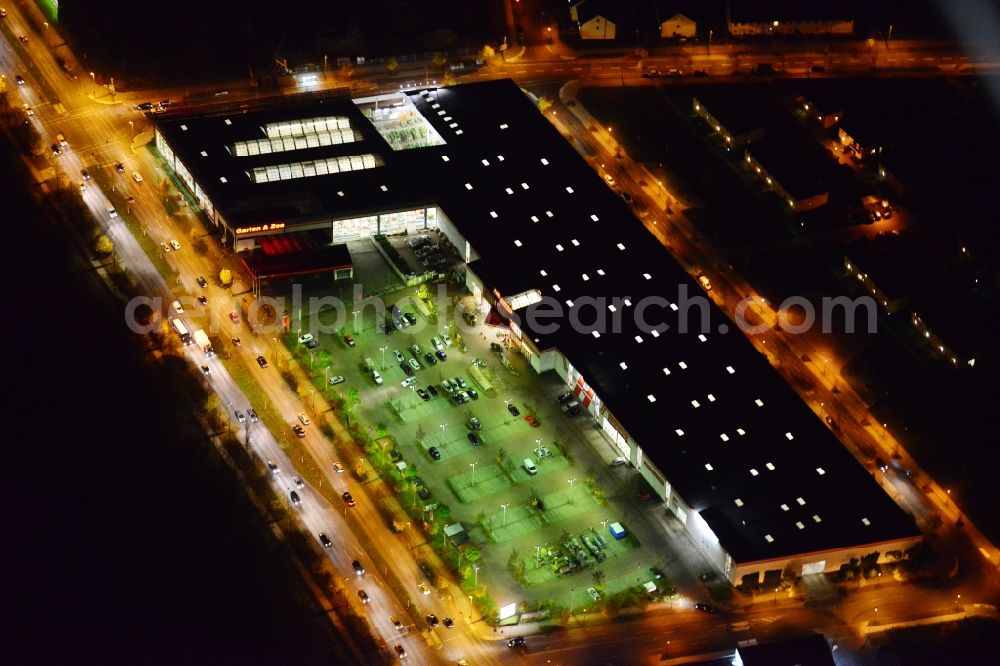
(730, 436)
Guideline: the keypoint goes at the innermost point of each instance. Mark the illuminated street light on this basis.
(473, 466)
(570, 482)
(504, 507)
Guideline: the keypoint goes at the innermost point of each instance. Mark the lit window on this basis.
(594, 218)
(569, 189)
(724, 437)
(770, 466)
(788, 436)
(701, 336)
(638, 339)
(866, 522)
(709, 467)
(444, 158)
(784, 507)
(730, 370)
(651, 397)
(738, 502)
(759, 402)
(493, 214)
(517, 243)
(768, 538)
(695, 404)
(820, 471)
(801, 501)
(753, 471)
(680, 433)
(468, 186)
(621, 247)
(623, 365)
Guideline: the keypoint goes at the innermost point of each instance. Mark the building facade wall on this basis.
(739, 29)
(678, 26)
(597, 28)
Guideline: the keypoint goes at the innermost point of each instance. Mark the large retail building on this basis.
(737, 457)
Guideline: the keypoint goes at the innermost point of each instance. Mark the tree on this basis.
(488, 52)
(472, 555)
(104, 245)
(199, 245)
(544, 103)
(225, 277)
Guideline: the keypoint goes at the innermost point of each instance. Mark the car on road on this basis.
(272, 467)
(396, 623)
(672, 72)
(432, 390)
(434, 453)
(338, 468)
(174, 244)
(627, 198)
(234, 317)
(432, 620)
(474, 439)
(423, 394)
(3, 13)
(294, 498)
(423, 588)
(23, 39)
(203, 299)
(532, 421)
(358, 569)
(336, 379)
(407, 370)
(414, 363)
(429, 358)
(325, 540)
(303, 418)
(881, 464)
(513, 409)
(363, 596)
(56, 150)
(441, 355)
(177, 307)
(206, 370)
(84, 174)
(299, 430)
(832, 423)
(348, 498)
(253, 416)
(705, 608)
(609, 179)
(298, 482)
(119, 167)
(261, 361)
(237, 342)
(400, 650)
(516, 642)
(705, 282)
(136, 176)
(19, 79)
(130, 200)
(240, 416)
(448, 623)
(399, 356)
(202, 282)
(349, 341)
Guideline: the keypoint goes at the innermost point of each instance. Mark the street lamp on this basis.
(538, 556)
(475, 571)
(131, 129)
(443, 426)
(382, 349)
(473, 466)
(504, 507)
(570, 482)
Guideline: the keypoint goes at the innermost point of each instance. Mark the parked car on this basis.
(429, 358)
(432, 390)
(705, 608)
(474, 424)
(336, 379)
(423, 588)
(513, 409)
(423, 394)
(516, 642)
(414, 363)
(399, 355)
(338, 468)
(358, 569)
(363, 596)
(407, 370)
(434, 453)
(234, 317)
(532, 421)
(349, 341)
(441, 355)
(348, 498)
(261, 361)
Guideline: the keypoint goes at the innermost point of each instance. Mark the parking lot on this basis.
(532, 485)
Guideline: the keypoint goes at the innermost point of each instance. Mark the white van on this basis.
(111, 210)
(529, 466)
(377, 377)
(436, 341)
(408, 382)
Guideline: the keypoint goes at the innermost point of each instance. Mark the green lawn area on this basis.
(520, 520)
(489, 480)
(569, 502)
